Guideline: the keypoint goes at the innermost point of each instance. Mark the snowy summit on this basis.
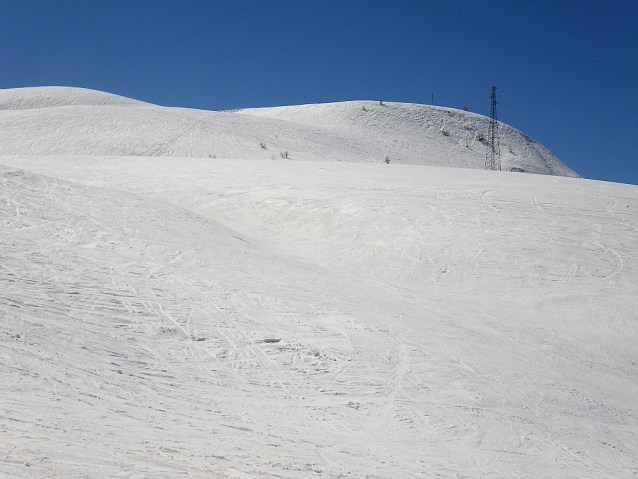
(258, 293)
(74, 121)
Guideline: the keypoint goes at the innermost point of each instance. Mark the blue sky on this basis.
(567, 71)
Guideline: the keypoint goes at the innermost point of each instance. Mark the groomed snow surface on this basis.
(193, 304)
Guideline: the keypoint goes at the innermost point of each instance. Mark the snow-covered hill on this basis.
(49, 97)
(174, 317)
(62, 121)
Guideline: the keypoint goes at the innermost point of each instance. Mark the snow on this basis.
(172, 316)
(48, 97)
(45, 121)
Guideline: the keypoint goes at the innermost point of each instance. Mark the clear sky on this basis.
(567, 71)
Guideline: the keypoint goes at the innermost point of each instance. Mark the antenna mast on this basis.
(493, 156)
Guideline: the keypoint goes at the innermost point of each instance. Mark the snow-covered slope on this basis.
(56, 121)
(165, 317)
(422, 134)
(48, 97)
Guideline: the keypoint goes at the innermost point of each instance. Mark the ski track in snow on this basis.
(179, 317)
(155, 330)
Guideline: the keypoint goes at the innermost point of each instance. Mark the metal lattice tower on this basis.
(493, 156)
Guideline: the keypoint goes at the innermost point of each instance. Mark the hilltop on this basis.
(72, 121)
